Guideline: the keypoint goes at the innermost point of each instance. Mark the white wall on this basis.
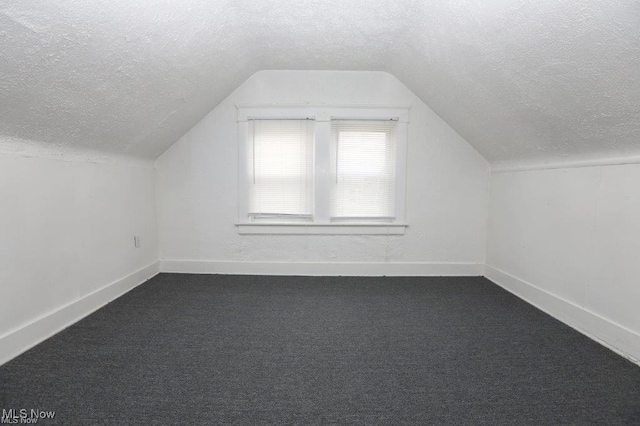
(568, 240)
(66, 234)
(197, 188)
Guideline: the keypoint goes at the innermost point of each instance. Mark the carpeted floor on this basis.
(206, 349)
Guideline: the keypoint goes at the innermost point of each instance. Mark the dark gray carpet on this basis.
(190, 349)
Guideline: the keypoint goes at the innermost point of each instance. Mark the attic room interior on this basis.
(280, 212)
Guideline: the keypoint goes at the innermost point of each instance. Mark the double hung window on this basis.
(322, 170)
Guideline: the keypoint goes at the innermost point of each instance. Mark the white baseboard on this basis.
(18, 341)
(604, 331)
(614, 336)
(323, 268)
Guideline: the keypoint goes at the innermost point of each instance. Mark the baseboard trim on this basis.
(18, 341)
(616, 337)
(322, 268)
(621, 340)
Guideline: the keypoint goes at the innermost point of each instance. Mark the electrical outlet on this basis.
(136, 241)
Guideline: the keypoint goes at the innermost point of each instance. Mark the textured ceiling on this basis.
(522, 81)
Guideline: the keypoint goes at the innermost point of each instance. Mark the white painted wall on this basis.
(66, 233)
(568, 240)
(197, 186)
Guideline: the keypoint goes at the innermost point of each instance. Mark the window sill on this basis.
(248, 228)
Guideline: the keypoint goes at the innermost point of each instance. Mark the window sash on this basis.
(280, 169)
(363, 170)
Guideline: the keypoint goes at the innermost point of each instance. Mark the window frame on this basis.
(321, 222)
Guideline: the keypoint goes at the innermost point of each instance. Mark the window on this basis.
(363, 165)
(322, 170)
(280, 159)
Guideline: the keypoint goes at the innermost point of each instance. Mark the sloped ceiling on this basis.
(522, 81)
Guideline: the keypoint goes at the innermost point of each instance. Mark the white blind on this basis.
(280, 167)
(363, 167)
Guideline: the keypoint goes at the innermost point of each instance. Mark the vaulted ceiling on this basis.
(521, 81)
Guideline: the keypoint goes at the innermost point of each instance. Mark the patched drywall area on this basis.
(522, 82)
(197, 182)
(572, 238)
(68, 228)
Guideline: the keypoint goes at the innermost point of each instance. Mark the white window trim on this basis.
(322, 223)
